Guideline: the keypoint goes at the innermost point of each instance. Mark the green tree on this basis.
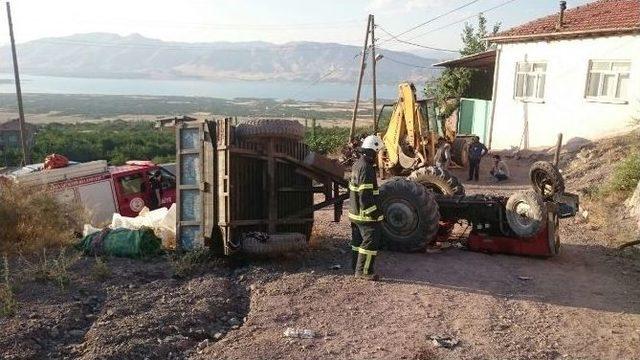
(454, 82)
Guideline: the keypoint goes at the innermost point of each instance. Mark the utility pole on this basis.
(26, 158)
(362, 66)
(373, 72)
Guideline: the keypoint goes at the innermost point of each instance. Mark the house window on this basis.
(12, 139)
(608, 80)
(132, 184)
(530, 80)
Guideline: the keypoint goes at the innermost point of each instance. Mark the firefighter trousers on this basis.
(365, 241)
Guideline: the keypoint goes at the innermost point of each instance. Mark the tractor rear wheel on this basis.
(438, 181)
(263, 128)
(411, 215)
(526, 213)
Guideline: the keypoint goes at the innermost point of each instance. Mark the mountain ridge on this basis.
(108, 55)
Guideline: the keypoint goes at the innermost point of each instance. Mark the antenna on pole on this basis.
(26, 157)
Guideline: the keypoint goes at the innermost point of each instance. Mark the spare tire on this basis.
(438, 181)
(546, 179)
(411, 216)
(460, 151)
(263, 128)
(526, 213)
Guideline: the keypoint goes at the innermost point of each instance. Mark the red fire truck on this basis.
(102, 189)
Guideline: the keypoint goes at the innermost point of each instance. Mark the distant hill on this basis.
(107, 55)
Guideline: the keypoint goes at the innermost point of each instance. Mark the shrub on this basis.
(115, 141)
(32, 219)
(627, 174)
(54, 269)
(188, 263)
(329, 140)
(100, 270)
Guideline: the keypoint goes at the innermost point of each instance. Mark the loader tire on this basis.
(438, 181)
(546, 179)
(526, 213)
(460, 151)
(411, 216)
(264, 128)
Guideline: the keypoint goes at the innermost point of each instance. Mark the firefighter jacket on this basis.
(364, 195)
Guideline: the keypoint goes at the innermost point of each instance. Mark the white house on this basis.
(576, 72)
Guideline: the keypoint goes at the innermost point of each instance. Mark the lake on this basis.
(226, 89)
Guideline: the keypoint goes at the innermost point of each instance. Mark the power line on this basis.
(406, 64)
(463, 19)
(395, 37)
(438, 17)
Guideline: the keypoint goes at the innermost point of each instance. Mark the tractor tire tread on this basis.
(428, 215)
(553, 175)
(446, 183)
(265, 128)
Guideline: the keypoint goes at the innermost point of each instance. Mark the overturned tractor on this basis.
(419, 213)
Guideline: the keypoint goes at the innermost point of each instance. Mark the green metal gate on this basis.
(474, 116)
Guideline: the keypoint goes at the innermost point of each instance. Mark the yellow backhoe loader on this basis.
(410, 130)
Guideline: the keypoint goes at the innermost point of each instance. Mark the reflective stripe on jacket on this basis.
(364, 202)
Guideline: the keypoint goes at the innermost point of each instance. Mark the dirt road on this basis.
(582, 304)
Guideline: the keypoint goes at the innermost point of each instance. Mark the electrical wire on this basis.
(395, 37)
(463, 19)
(438, 17)
(405, 64)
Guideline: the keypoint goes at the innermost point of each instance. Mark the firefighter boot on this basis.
(364, 265)
(354, 257)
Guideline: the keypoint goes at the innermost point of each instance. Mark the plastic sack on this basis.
(162, 221)
(121, 242)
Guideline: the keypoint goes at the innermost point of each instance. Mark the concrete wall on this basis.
(564, 108)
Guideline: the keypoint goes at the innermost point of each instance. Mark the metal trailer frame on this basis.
(227, 187)
(490, 231)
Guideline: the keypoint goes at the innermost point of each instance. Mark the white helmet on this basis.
(373, 142)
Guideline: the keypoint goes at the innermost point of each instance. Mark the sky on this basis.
(277, 21)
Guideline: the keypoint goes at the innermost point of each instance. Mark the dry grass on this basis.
(51, 268)
(8, 301)
(32, 219)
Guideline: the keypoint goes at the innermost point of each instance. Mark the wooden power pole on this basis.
(370, 33)
(26, 157)
(362, 66)
(373, 72)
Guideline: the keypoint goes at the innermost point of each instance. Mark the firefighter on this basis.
(364, 209)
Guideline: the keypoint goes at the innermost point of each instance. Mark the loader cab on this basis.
(384, 116)
(427, 108)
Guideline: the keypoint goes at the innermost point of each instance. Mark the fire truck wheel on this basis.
(546, 179)
(262, 128)
(526, 213)
(438, 181)
(411, 216)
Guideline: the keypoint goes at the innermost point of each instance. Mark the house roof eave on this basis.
(562, 35)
